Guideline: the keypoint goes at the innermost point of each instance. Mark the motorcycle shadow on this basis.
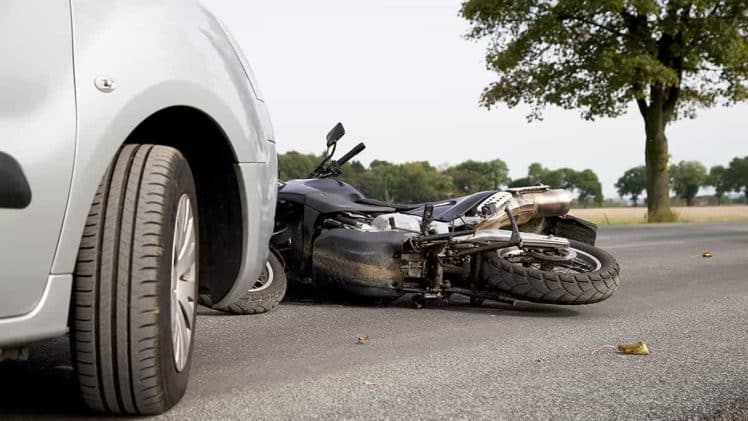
(456, 303)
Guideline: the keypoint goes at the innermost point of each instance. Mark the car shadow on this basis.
(43, 386)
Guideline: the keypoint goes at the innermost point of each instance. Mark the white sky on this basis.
(401, 77)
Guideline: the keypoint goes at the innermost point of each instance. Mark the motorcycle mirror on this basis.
(335, 134)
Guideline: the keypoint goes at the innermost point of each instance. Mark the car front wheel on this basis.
(135, 285)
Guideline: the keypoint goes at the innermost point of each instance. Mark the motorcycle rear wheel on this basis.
(591, 277)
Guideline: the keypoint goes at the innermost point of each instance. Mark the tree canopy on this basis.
(601, 55)
(472, 176)
(737, 175)
(718, 178)
(632, 183)
(687, 179)
(585, 183)
(407, 182)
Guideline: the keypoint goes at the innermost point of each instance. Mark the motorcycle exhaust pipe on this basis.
(555, 202)
(531, 204)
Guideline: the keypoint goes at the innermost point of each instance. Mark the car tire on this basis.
(266, 293)
(139, 250)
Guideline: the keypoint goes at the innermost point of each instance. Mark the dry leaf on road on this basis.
(362, 340)
(637, 348)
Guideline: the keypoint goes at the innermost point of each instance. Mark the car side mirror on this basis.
(335, 134)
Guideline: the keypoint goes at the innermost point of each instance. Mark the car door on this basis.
(37, 141)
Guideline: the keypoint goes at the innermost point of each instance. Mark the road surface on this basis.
(495, 362)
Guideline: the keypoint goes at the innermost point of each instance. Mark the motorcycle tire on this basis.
(266, 293)
(551, 287)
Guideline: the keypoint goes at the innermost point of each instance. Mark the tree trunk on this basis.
(657, 157)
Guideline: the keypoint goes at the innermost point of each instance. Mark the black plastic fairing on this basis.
(367, 263)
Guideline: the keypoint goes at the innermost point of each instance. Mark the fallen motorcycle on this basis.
(518, 244)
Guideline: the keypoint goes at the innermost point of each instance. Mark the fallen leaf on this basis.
(637, 348)
(707, 254)
(362, 340)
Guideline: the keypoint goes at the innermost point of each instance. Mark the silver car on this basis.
(137, 176)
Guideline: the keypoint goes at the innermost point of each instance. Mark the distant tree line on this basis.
(422, 182)
(687, 177)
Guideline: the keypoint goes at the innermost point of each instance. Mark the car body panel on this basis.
(157, 60)
(37, 129)
(48, 319)
(154, 55)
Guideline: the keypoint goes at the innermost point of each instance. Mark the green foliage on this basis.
(600, 55)
(632, 183)
(408, 182)
(718, 178)
(687, 178)
(473, 176)
(293, 165)
(737, 175)
(588, 187)
(586, 182)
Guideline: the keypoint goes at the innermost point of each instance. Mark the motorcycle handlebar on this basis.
(352, 153)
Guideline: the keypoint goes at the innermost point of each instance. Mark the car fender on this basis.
(134, 58)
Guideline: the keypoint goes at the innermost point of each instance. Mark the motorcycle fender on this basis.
(573, 228)
(362, 263)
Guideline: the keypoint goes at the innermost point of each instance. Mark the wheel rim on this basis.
(575, 261)
(265, 279)
(183, 282)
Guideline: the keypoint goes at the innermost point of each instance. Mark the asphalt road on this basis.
(495, 362)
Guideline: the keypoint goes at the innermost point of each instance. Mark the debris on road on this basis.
(637, 348)
(362, 340)
(706, 254)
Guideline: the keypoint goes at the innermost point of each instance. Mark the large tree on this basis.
(632, 183)
(687, 178)
(666, 56)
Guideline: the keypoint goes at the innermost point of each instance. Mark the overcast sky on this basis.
(401, 77)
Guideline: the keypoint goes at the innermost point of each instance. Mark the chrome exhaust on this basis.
(526, 204)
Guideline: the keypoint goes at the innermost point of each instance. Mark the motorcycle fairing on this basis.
(363, 263)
